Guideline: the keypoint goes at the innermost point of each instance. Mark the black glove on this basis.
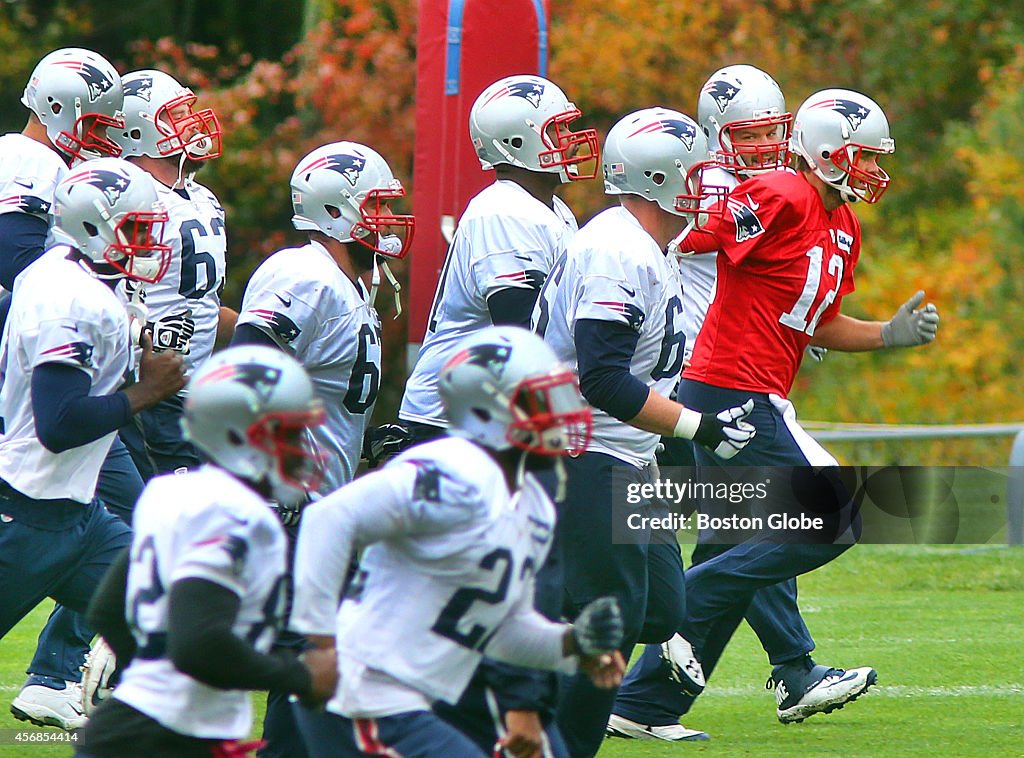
(383, 442)
(173, 332)
(598, 629)
(726, 433)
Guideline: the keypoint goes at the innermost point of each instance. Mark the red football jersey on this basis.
(786, 265)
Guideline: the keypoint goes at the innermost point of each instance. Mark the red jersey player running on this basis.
(789, 242)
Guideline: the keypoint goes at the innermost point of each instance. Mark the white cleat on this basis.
(684, 668)
(45, 706)
(822, 691)
(623, 728)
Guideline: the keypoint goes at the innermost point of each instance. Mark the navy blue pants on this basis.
(155, 441)
(645, 574)
(65, 639)
(58, 549)
(729, 582)
(416, 734)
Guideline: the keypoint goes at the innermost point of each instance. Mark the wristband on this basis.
(687, 425)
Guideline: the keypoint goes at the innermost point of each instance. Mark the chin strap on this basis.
(562, 477)
(379, 264)
(673, 246)
(138, 314)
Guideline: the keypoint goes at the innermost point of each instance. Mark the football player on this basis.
(73, 96)
(612, 308)
(743, 112)
(456, 528)
(64, 356)
(788, 244)
(168, 136)
(163, 134)
(193, 608)
(510, 234)
(313, 302)
(507, 239)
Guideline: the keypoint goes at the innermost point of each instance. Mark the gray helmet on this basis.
(658, 154)
(744, 97)
(343, 189)
(159, 120)
(504, 387)
(834, 129)
(249, 408)
(109, 209)
(76, 94)
(524, 121)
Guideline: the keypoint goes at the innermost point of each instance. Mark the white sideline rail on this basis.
(825, 431)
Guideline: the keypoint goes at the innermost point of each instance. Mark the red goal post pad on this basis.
(462, 46)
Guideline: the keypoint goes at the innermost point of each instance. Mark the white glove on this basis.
(99, 666)
(173, 332)
(910, 327)
(724, 433)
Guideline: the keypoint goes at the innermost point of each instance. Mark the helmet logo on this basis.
(141, 87)
(349, 166)
(685, 132)
(98, 82)
(492, 357)
(532, 92)
(748, 225)
(110, 183)
(722, 93)
(261, 379)
(852, 111)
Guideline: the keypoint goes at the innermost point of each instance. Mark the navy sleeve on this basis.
(22, 240)
(66, 415)
(512, 306)
(202, 644)
(604, 350)
(247, 334)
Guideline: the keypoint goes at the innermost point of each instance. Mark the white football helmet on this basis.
(109, 209)
(504, 388)
(743, 97)
(658, 154)
(524, 121)
(833, 131)
(249, 408)
(159, 120)
(76, 94)
(343, 190)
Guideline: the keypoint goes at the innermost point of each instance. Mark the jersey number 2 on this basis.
(476, 637)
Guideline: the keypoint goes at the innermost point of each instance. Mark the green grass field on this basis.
(944, 626)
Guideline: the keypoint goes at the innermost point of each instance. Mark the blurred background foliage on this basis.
(286, 77)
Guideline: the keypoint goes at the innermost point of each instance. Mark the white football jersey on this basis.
(506, 238)
(303, 300)
(615, 271)
(428, 602)
(59, 314)
(195, 277)
(29, 174)
(201, 525)
(700, 272)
